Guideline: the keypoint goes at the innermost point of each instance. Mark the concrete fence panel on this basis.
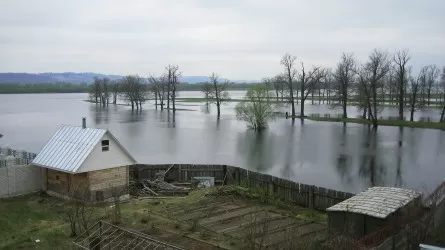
(18, 180)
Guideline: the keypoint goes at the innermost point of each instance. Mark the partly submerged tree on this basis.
(344, 80)
(401, 59)
(415, 83)
(257, 109)
(370, 77)
(290, 73)
(442, 84)
(216, 90)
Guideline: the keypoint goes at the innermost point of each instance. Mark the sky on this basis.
(238, 39)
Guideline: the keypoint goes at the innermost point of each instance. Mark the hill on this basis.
(77, 78)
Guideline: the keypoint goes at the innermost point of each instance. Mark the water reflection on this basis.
(348, 158)
(343, 161)
(165, 118)
(399, 156)
(257, 146)
(133, 116)
(101, 114)
(205, 108)
(289, 155)
(371, 167)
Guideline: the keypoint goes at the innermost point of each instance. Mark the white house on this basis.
(89, 158)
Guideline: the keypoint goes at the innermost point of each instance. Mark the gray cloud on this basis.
(239, 39)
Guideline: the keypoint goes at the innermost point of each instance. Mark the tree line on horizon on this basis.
(383, 79)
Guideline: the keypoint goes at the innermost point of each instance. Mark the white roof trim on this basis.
(377, 202)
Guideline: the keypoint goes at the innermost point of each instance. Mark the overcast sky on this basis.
(239, 39)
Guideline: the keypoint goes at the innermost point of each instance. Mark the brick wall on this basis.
(107, 178)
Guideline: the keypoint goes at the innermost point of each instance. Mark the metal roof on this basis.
(428, 247)
(69, 147)
(377, 202)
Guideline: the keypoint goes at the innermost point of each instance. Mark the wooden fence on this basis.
(297, 193)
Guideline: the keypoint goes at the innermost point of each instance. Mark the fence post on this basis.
(271, 188)
(311, 197)
(224, 176)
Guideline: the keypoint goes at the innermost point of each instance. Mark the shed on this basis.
(91, 159)
(369, 210)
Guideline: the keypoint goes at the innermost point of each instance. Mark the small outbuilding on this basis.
(370, 210)
(88, 158)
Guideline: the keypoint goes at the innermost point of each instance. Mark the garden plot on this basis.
(239, 218)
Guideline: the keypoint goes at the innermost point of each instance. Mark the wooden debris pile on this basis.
(160, 188)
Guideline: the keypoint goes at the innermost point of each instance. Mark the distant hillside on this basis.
(69, 77)
(77, 78)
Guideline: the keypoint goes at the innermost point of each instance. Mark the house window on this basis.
(105, 145)
(57, 177)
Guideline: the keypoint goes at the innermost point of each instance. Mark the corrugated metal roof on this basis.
(68, 148)
(377, 202)
(428, 247)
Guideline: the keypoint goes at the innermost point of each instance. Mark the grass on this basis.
(25, 219)
(398, 123)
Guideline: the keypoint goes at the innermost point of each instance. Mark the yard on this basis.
(213, 218)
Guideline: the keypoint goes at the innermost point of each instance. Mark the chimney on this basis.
(84, 122)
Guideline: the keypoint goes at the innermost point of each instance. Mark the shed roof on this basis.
(377, 202)
(70, 146)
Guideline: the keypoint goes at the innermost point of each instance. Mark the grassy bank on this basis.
(398, 123)
(199, 99)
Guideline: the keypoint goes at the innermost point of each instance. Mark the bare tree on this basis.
(158, 87)
(344, 76)
(134, 90)
(115, 90)
(415, 83)
(307, 81)
(290, 72)
(279, 83)
(431, 77)
(256, 228)
(173, 75)
(207, 90)
(116, 194)
(95, 90)
(400, 59)
(77, 208)
(442, 83)
(370, 77)
(105, 94)
(268, 82)
(218, 91)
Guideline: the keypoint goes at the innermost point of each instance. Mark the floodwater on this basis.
(333, 155)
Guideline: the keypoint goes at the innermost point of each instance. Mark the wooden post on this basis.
(311, 197)
(271, 187)
(224, 175)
